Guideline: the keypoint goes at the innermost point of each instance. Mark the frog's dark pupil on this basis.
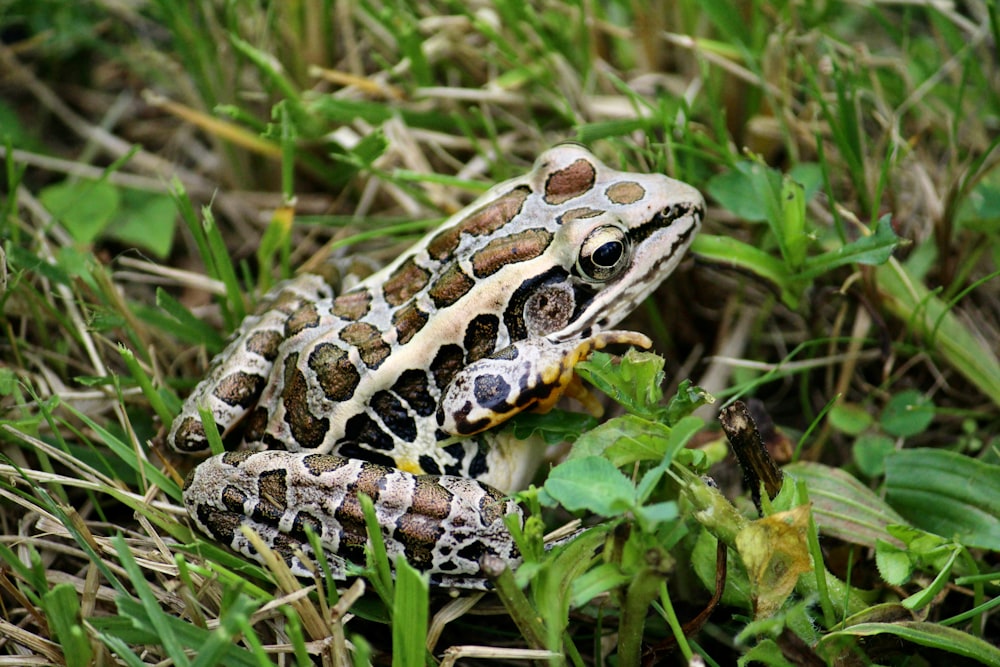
(608, 254)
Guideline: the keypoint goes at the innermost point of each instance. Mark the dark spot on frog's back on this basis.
(394, 415)
(419, 536)
(446, 364)
(222, 525)
(265, 343)
(367, 339)
(510, 249)
(625, 192)
(572, 181)
(233, 499)
(363, 429)
(308, 431)
(306, 317)
(272, 490)
(412, 387)
(239, 389)
(320, 464)
(190, 435)
(450, 287)
(480, 222)
(408, 321)
(481, 337)
(431, 500)
(405, 282)
(352, 305)
(336, 374)
(493, 505)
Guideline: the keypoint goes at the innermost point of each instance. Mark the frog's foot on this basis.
(444, 525)
(531, 374)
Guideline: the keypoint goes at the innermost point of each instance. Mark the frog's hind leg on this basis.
(239, 374)
(444, 525)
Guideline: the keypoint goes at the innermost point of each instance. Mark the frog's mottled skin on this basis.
(382, 389)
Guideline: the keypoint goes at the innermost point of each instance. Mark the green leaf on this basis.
(624, 440)
(145, 219)
(843, 507)
(738, 191)
(410, 606)
(946, 493)
(554, 427)
(591, 483)
(947, 336)
(634, 383)
(85, 208)
(62, 609)
(596, 581)
(894, 564)
(729, 252)
(908, 413)
(873, 249)
(932, 635)
(849, 418)
(793, 218)
(689, 397)
(869, 452)
(651, 516)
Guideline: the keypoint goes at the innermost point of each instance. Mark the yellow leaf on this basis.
(775, 553)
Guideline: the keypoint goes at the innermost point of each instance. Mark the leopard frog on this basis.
(390, 388)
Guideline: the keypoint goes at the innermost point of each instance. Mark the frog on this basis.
(396, 388)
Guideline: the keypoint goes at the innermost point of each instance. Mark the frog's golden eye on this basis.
(604, 253)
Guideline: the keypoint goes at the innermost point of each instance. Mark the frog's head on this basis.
(619, 236)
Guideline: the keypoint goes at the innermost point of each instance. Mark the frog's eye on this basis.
(604, 253)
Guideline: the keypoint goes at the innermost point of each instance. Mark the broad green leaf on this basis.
(894, 564)
(145, 220)
(849, 418)
(931, 319)
(732, 253)
(932, 635)
(740, 190)
(624, 440)
(554, 427)
(869, 452)
(85, 208)
(634, 382)
(596, 581)
(843, 507)
(907, 414)
(946, 493)
(592, 483)
(689, 397)
(873, 249)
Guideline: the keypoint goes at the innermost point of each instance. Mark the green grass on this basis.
(166, 163)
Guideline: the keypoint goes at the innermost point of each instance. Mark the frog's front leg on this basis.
(530, 374)
(444, 525)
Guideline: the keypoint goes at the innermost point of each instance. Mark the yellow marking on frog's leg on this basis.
(582, 394)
